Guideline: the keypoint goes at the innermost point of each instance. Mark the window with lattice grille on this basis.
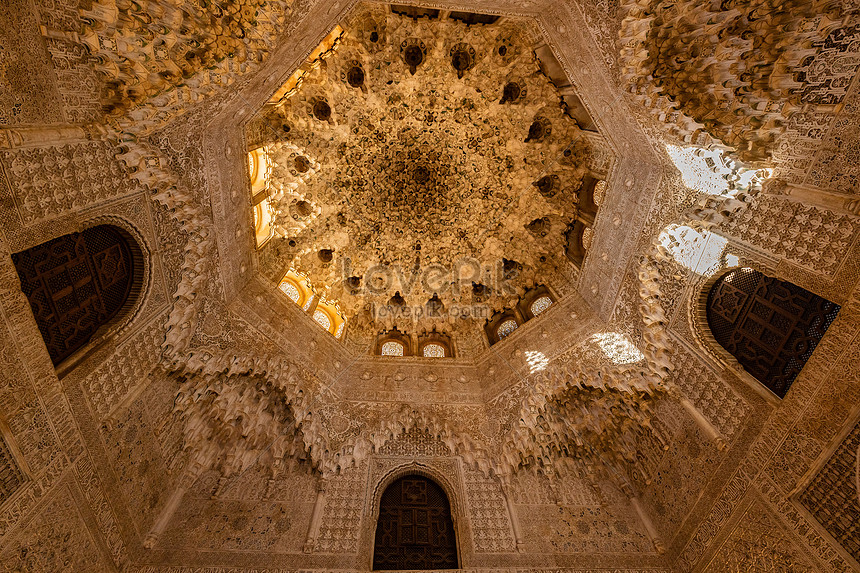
(392, 348)
(433, 350)
(770, 326)
(415, 530)
(322, 318)
(506, 328)
(540, 305)
(76, 284)
(291, 291)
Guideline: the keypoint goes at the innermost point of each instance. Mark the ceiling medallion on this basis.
(421, 146)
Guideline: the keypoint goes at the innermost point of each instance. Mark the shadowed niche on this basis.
(415, 529)
(76, 284)
(770, 326)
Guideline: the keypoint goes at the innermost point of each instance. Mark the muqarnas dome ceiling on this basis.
(417, 160)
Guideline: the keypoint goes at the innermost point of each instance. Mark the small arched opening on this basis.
(415, 529)
(535, 302)
(393, 343)
(578, 237)
(80, 283)
(297, 286)
(501, 325)
(435, 345)
(771, 327)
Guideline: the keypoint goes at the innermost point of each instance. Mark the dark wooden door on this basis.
(415, 529)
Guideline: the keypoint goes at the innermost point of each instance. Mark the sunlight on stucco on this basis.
(537, 361)
(709, 171)
(700, 251)
(617, 347)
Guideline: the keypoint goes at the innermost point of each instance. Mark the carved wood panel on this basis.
(75, 284)
(415, 529)
(770, 326)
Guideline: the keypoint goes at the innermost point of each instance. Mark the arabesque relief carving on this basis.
(225, 427)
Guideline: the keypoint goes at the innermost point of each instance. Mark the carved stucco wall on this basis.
(29, 92)
(101, 453)
(833, 498)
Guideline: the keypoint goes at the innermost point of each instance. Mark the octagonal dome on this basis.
(425, 174)
(353, 244)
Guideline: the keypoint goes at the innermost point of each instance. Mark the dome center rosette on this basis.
(407, 146)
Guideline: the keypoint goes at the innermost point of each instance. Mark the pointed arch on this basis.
(770, 326)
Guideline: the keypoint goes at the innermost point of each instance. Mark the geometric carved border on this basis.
(832, 499)
(759, 542)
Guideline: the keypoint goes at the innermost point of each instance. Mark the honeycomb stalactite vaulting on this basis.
(159, 54)
(597, 411)
(211, 412)
(735, 72)
(220, 426)
(407, 148)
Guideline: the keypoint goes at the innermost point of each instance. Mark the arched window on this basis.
(433, 350)
(392, 348)
(503, 323)
(298, 287)
(78, 283)
(328, 315)
(435, 345)
(289, 288)
(591, 194)
(574, 246)
(260, 171)
(599, 193)
(506, 327)
(263, 219)
(770, 326)
(415, 529)
(587, 238)
(394, 343)
(322, 318)
(540, 304)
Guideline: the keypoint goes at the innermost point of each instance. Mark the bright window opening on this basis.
(506, 328)
(587, 238)
(291, 291)
(322, 318)
(540, 305)
(298, 287)
(392, 348)
(599, 193)
(434, 351)
(263, 222)
(260, 169)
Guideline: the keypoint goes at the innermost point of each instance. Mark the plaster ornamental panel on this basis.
(426, 168)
